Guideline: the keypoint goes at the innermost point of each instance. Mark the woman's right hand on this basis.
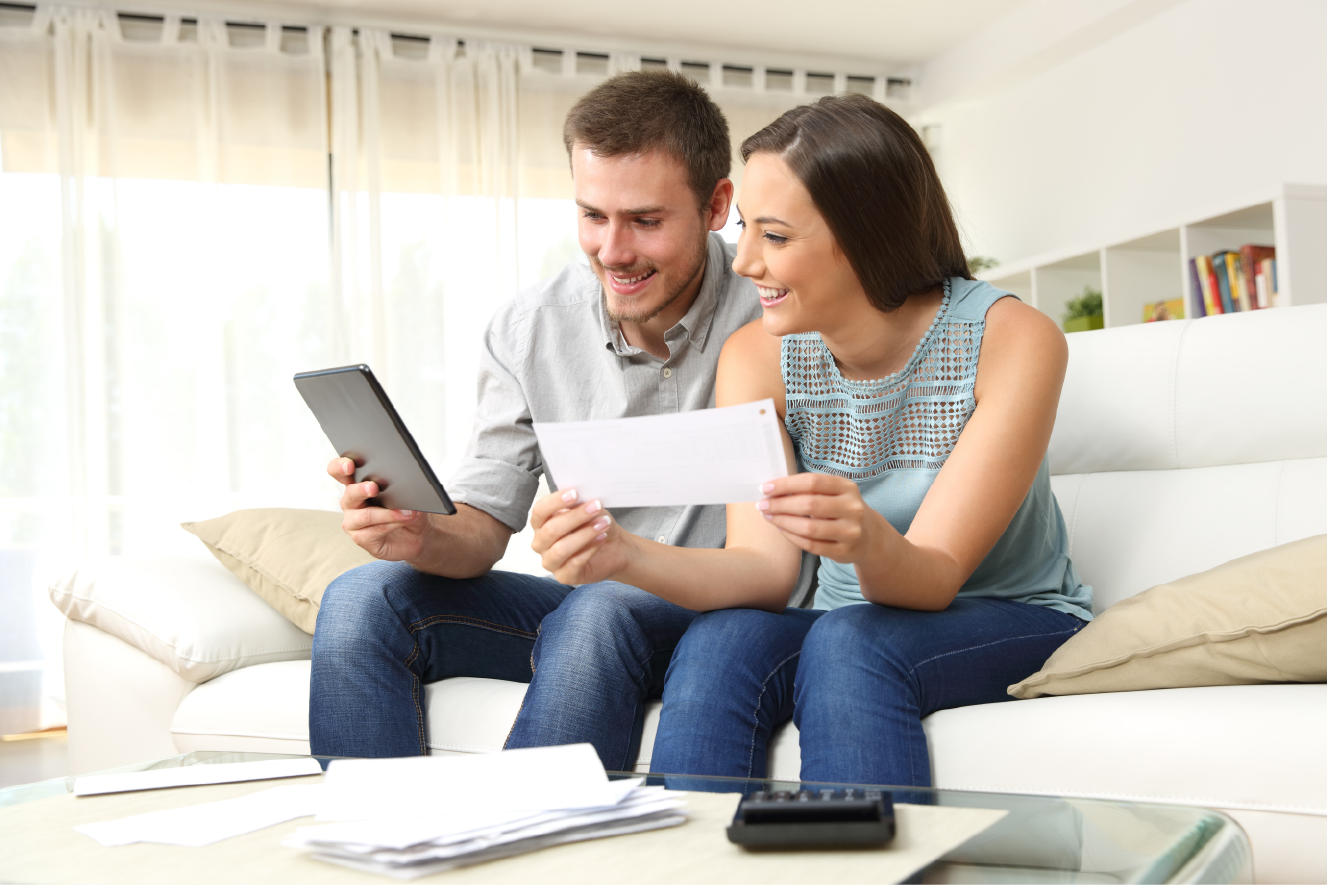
(396, 535)
(578, 543)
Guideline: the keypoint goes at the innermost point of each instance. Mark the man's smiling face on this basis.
(643, 232)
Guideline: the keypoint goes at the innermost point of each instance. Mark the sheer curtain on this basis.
(195, 210)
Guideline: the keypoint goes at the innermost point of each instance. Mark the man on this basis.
(637, 333)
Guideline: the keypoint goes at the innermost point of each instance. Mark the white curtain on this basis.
(192, 211)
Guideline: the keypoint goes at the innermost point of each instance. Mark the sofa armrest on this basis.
(189, 613)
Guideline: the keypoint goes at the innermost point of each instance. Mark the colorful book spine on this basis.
(1252, 258)
(1269, 279)
(1196, 286)
(1211, 292)
(1228, 304)
(1235, 273)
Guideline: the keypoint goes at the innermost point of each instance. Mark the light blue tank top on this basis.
(891, 436)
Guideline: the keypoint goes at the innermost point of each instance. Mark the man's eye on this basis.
(593, 216)
(648, 222)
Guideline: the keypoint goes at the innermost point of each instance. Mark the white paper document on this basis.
(209, 822)
(406, 849)
(710, 456)
(193, 775)
(534, 779)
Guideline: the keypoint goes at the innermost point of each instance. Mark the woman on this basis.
(920, 404)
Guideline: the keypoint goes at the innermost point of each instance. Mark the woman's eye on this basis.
(741, 224)
(776, 239)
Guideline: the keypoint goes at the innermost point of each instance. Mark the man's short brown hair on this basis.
(639, 111)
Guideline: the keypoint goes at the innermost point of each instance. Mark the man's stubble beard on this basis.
(696, 270)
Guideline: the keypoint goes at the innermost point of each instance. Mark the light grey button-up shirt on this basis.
(553, 354)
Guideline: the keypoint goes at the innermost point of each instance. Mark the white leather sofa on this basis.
(1178, 446)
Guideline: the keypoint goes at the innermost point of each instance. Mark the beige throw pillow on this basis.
(1260, 618)
(288, 557)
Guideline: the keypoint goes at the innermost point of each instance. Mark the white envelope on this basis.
(710, 456)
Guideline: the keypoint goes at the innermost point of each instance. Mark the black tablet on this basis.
(358, 418)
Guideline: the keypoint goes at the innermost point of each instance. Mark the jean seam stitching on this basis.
(414, 697)
(958, 651)
(473, 622)
(751, 755)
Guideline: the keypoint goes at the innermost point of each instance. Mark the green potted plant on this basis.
(1084, 312)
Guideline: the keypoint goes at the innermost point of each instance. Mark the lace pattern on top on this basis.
(911, 419)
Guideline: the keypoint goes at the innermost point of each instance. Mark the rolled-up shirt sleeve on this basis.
(500, 471)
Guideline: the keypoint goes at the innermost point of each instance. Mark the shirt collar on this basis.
(697, 320)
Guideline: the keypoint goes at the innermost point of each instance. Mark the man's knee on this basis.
(610, 614)
(357, 601)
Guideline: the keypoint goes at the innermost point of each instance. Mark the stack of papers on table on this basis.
(412, 817)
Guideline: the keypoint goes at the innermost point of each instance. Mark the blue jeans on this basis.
(593, 655)
(857, 681)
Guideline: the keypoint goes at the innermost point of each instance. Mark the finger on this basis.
(574, 543)
(816, 529)
(580, 560)
(806, 483)
(365, 517)
(570, 520)
(342, 470)
(356, 495)
(818, 506)
(549, 505)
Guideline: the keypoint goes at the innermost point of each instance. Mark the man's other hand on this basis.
(396, 535)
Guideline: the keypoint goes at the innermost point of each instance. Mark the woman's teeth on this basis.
(769, 296)
(627, 281)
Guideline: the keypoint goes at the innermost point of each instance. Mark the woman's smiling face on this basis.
(786, 249)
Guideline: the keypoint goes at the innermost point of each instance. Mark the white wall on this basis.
(1079, 122)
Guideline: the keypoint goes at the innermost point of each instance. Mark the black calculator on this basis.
(813, 819)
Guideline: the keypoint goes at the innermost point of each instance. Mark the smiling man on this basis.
(637, 333)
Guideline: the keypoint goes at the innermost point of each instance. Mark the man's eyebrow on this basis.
(644, 210)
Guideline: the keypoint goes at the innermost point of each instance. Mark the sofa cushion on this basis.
(187, 612)
(1254, 747)
(1259, 618)
(262, 709)
(1143, 397)
(288, 557)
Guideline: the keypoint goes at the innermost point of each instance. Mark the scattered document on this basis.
(193, 775)
(710, 456)
(534, 779)
(409, 849)
(209, 822)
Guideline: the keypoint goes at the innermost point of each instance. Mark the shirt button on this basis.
(668, 373)
(662, 539)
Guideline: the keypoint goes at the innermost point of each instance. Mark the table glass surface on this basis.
(1040, 839)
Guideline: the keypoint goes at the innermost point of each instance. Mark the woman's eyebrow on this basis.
(770, 219)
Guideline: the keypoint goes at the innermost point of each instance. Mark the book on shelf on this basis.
(1251, 259)
(1196, 286)
(1231, 281)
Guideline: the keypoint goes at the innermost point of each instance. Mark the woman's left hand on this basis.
(822, 514)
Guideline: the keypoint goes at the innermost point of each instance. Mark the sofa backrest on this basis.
(1182, 445)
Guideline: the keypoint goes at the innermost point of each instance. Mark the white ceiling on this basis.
(893, 32)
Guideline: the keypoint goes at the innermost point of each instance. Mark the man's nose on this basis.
(617, 249)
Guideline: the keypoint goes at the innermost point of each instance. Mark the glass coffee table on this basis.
(1039, 839)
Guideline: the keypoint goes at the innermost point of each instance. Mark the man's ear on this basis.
(721, 203)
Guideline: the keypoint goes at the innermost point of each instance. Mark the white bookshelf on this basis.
(1154, 265)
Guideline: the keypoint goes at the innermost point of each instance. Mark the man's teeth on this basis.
(627, 281)
(771, 294)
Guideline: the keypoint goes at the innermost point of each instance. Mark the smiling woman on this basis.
(919, 403)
